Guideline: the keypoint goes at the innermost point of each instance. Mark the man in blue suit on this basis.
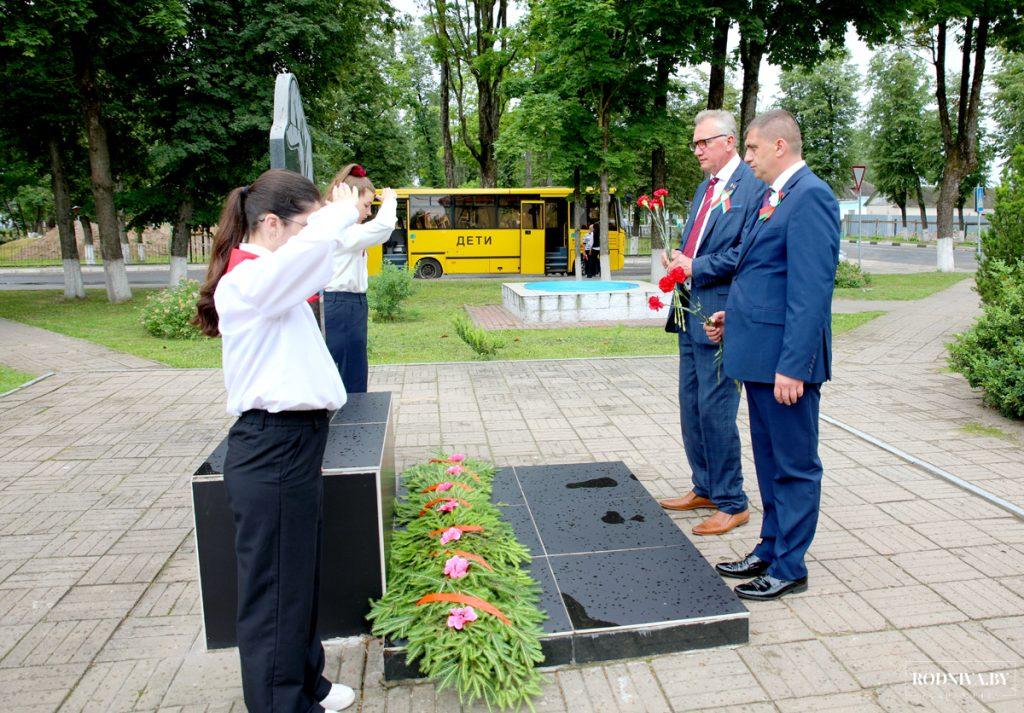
(708, 401)
(779, 343)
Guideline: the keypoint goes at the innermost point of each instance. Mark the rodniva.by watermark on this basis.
(983, 678)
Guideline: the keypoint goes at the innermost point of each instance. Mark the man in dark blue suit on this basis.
(708, 401)
(779, 345)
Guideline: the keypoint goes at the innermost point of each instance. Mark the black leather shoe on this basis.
(749, 566)
(767, 587)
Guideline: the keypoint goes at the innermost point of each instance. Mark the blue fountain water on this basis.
(580, 286)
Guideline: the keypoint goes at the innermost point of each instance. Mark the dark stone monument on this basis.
(618, 578)
(359, 479)
(290, 144)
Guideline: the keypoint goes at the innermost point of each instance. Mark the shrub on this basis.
(483, 344)
(849, 274)
(1004, 242)
(387, 291)
(168, 313)
(991, 354)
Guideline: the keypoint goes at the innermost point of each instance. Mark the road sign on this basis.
(858, 176)
(290, 143)
(979, 199)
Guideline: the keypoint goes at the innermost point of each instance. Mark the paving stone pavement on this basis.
(910, 576)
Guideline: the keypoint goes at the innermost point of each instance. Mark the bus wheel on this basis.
(428, 269)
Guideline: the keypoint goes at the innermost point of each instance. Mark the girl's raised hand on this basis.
(387, 193)
(344, 193)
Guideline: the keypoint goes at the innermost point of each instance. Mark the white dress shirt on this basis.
(349, 261)
(779, 183)
(274, 356)
(723, 177)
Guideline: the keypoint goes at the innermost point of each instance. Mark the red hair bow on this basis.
(358, 171)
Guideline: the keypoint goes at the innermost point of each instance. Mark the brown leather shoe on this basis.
(690, 501)
(721, 522)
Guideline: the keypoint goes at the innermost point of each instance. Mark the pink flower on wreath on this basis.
(444, 486)
(448, 505)
(456, 567)
(454, 470)
(457, 618)
(457, 457)
(450, 535)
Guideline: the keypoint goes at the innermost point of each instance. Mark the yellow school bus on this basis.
(466, 231)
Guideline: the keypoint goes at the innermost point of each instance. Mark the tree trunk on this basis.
(73, 286)
(90, 249)
(921, 207)
(602, 252)
(488, 118)
(948, 191)
(902, 203)
(719, 52)
(446, 126)
(960, 211)
(579, 208)
(179, 242)
(659, 168)
(114, 272)
(751, 53)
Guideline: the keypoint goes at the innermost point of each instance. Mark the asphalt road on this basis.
(636, 268)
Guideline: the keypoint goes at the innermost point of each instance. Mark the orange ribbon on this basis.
(431, 503)
(453, 482)
(462, 528)
(454, 598)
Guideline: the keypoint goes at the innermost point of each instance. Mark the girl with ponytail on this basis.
(272, 251)
(345, 308)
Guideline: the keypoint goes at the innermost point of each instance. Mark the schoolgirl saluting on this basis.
(272, 251)
(345, 308)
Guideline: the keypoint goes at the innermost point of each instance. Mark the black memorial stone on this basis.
(618, 578)
(358, 506)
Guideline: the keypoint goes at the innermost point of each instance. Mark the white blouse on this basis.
(350, 273)
(274, 356)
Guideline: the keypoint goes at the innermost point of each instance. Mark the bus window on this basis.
(430, 212)
(508, 212)
(476, 212)
(594, 211)
(533, 216)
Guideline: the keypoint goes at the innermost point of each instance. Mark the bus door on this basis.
(556, 251)
(531, 238)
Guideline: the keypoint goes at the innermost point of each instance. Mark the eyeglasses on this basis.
(286, 220)
(703, 143)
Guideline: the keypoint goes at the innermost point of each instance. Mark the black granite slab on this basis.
(353, 446)
(369, 407)
(214, 463)
(619, 579)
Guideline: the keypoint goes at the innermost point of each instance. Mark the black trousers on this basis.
(345, 317)
(275, 491)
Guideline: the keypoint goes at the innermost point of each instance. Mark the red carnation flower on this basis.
(677, 274)
(655, 303)
(657, 203)
(666, 284)
(660, 193)
(643, 201)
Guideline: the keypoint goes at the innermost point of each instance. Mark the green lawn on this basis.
(425, 334)
(913, 286)
(10, 379)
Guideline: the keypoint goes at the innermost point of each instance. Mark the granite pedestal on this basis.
(359, 480)
(619, 579)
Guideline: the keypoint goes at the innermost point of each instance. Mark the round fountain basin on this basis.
(580, 286)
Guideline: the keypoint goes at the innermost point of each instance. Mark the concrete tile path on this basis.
(910, 577)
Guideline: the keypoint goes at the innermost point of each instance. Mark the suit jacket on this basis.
(715, 260)
(779, 311)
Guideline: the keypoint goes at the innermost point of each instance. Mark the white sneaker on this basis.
(340, 698)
